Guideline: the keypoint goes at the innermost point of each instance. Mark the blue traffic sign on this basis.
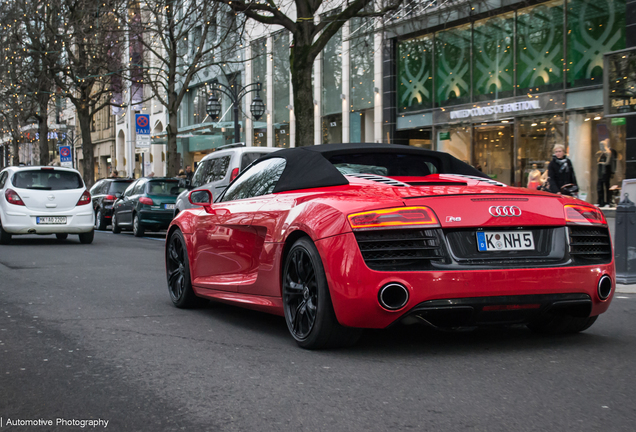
(142, 124)
(65, 154)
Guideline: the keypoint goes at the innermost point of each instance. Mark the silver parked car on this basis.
(216, 170)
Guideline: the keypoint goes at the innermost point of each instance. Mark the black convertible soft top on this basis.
(312, 166)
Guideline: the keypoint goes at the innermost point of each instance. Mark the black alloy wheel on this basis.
(309, 312)
(178, 273)
(61, 236)
(100, 220)
(113, 224)
(5, 237)
(138, 230)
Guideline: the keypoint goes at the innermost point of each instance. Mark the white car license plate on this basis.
(50, 220)
(169, 206)
(504, 241)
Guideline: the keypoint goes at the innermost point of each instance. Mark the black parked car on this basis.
(104, 193)
(147, 204)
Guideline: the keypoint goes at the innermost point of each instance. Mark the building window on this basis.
(259, 74)
(452, 66)
(415, 74)
(361, 74)
(281, 88)
(540, 48)
(594, 27)
(332, 90)
(493, 57)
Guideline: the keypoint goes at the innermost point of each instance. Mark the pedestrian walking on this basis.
(561, 177)
(114, 174)
(188, 172)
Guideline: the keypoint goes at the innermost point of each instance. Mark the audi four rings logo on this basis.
(502, 211)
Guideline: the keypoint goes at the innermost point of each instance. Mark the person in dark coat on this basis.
(560, 171)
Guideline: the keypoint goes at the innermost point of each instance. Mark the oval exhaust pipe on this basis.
(604, 287)
(393, 296)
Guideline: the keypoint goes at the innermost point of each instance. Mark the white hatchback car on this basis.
(44, 200)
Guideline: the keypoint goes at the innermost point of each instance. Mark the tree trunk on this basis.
(88, 159)
(15, 152)
(172, 157)
(301, 67)
(43, 131)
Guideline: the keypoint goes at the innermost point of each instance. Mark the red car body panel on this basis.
(236, 249)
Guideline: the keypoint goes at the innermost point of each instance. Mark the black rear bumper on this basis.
(480, 311)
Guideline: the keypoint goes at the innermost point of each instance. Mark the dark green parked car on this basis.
(146, 205)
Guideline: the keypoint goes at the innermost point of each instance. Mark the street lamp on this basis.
(213, 107)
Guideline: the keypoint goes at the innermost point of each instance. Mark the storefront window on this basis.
(452, 66)
(361, 80)
(198, 100)
(415, 74)
(281, 88)
(537, 138)
(259, 65)
(492, 153)
(594, 27)
(540, 48)
(331, 90)
(493, 57)
(332, 129)
(456, 140)
(592, 136)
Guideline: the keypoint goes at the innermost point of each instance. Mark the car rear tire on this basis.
(87, 238)
(561, 324)
(5, 237)
(178, 273)
(114, 226)
(100, 220)
(62, 236)
(138, 230)
(309, 312)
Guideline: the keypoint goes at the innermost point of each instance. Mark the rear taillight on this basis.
(110, 198)
(583, 215)
(13, 197)
(84, 199)
(401, 217)
(146, 200)
(235, 172)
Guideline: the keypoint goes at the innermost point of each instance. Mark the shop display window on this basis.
(492, 151)
(452, 66)
(259, 65)
(493, 57)
(361, 64)
(457, 141)
(540, 48)
(537, 136)
(281, 77)
(332, 76)
(594, 27)
(415, 74)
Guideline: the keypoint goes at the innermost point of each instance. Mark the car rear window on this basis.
(119, 186)
(164, 187)
(248, 158)
(386, 164)
(47, 180)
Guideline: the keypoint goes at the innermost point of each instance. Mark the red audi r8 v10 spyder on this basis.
(341, 237)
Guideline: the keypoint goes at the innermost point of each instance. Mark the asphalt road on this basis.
(89, 332)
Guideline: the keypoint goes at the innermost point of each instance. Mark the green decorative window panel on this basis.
(594, 28)
(493, 57)
(259, 65)
(540, 47)
(415, 74)
(281, 77)
(452, 66)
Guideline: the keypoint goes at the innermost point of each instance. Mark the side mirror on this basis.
(201, 197)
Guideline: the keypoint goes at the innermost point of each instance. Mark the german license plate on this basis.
(504, 241)
(50, 220)
(169, 206)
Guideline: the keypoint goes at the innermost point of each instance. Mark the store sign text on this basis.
(495, 109)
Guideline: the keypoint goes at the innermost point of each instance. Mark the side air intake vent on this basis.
(380, 179)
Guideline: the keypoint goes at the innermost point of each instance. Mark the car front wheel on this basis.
(5, 237)
(178, 273)
(100, 220)
(87, 238)
(138, 230)
(114, 226)
(307, 303)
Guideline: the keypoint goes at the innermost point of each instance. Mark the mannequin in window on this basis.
(534, 178)
(606, 163)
